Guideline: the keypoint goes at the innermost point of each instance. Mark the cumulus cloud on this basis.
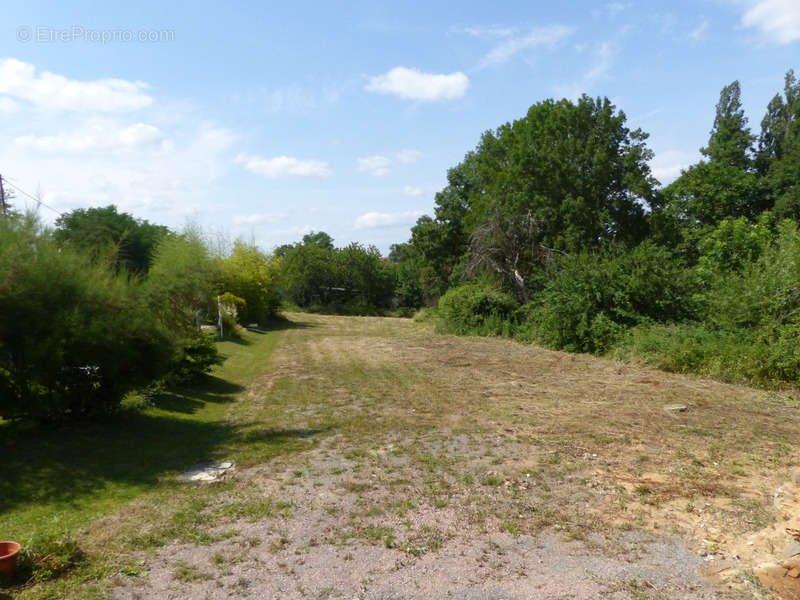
(413, 84)
(373, 220)
(374, 165)
(7, 105)
(49, 91)
(410, 190)
(777, 20)
(667, 166)
(408, 157)
(98, 135)
(255, 219)
(152, 182)
(283, 166)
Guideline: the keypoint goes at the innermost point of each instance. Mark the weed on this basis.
(188, 573)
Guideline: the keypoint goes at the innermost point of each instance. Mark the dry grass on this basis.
(554, 438)
(419, 443)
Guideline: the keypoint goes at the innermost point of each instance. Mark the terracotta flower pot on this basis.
(8, 557)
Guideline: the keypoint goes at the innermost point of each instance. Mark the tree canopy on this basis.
(573, 173)
(126, 242)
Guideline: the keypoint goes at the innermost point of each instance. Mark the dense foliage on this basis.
(74, 338)
(126, 243)
(106, 304)
(559, 212)
(314, 275)
(552, 230)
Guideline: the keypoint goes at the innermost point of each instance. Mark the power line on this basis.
(37, 200)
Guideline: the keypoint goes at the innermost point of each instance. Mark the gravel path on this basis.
(442, 468)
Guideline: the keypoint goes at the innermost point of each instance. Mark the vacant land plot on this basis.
(378, 460)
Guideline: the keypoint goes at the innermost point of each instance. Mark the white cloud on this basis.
(413, 84)
(614, 8)
(602, 65)
(666, 22)
(283, 166)
(290, 99)
(777, 20)
(603, 61)
(151, 183)
(98, 135)
(410, 190)
(256, 219)
(699, 33)
(492, 31)
(408, 157)
(372, 220)
(49, 91)
(667, 166)
(548, 37)
(7, 105)
(374, 165)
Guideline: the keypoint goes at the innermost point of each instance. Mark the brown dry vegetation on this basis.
(438, 464)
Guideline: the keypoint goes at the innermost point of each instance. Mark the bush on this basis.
(593, 299)
(476, 308)
(180, 285)
(74, 338)
(248, 277)
(695, 348)
(199, 354)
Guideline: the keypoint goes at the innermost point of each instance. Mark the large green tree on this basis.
(127, 243)
(726, 184)
(779, 149)
(572, 173)
(580, 173)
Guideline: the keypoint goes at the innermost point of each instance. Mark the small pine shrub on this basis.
(198, 355)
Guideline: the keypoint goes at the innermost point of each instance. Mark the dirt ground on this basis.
(477, 468)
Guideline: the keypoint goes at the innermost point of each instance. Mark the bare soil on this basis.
(477, 468)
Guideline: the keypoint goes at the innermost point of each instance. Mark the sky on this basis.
(269, 120)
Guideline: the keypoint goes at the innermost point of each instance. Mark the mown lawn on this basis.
(55, 481)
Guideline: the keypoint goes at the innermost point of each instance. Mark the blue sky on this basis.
(268, 120)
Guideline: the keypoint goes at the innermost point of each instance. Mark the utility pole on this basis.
(2, 196)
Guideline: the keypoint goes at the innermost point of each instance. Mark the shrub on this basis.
(248, 279)
(477, 308)
(180, 284)
(74, 338)
(594, 298)
(198, 355)
(695, 348)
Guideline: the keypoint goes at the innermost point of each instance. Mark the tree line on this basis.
(104, 304)
(554, 230)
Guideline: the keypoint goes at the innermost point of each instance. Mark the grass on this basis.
(56, 481)
(434, 440)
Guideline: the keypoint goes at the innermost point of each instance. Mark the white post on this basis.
(219, 314)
